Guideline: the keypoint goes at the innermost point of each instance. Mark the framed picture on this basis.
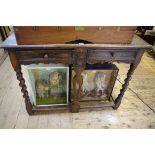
(98, 82)
(48, 84)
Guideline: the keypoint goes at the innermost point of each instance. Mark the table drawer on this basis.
(124, 55)
(53, 56)
(110, 55)
(98, 55)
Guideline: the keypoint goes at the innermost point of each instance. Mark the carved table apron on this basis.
(77, 55)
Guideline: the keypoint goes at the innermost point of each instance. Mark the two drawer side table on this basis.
(78, 56)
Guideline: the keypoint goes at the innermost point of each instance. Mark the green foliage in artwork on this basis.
(51, 100)
(49, 85)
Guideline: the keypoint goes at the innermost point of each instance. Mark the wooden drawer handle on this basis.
(112, 54)
(46, 56)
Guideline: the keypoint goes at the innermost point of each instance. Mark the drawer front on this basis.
(98, 56)
(49, 56)
(124, 55)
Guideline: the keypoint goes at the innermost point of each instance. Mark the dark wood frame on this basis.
(76, 55)
(98, 67)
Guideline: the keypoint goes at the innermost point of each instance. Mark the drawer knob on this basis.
(46, 56)
(112, 54)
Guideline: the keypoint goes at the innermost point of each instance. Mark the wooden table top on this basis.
(137, 42)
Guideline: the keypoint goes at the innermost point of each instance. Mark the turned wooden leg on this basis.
(124, 86)
(77, 86)
(24, 90)
(133, 66)
(17, 67)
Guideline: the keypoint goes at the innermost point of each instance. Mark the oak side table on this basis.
(76, 55)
